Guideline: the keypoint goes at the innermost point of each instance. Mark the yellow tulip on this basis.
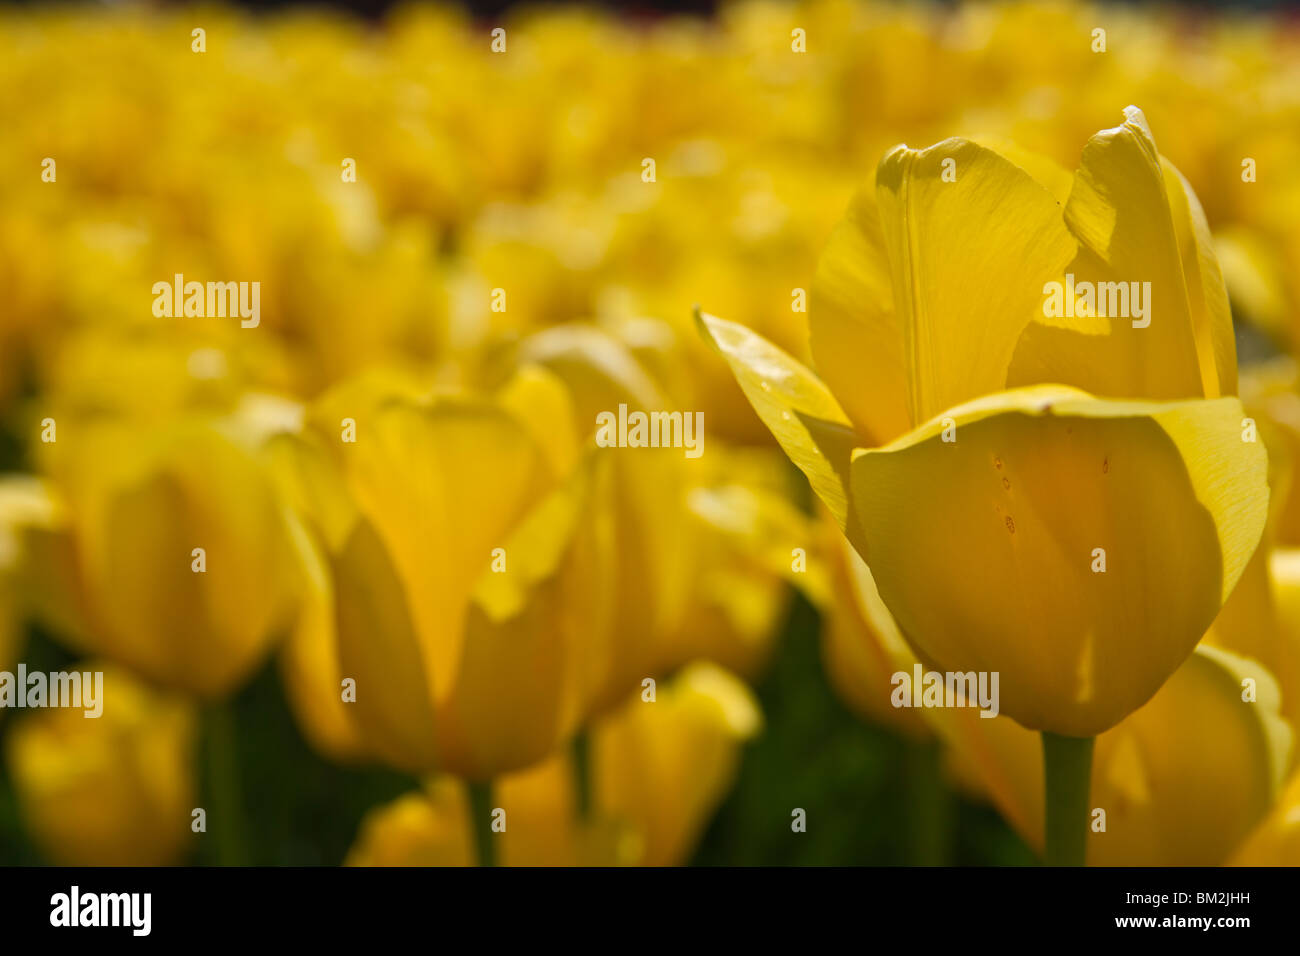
(432, 827)
(1077, 546)
(659, 770)
(458, 624)
(428, 828)
(635, 534)
(117, 790)
(981, 524)
(685, 744)
(168, 551)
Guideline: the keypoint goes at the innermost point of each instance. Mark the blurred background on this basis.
(520, 169)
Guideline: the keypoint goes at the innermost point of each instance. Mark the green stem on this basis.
(1067, 774)
(929, 810)
(226, 816)
(480, 809)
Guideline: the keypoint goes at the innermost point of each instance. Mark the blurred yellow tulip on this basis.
(168, 552)
(428, 828)
(117, 790)
(1180, 782)
(685, 743)
(1276, 841)
(455, 622)
(659, 769)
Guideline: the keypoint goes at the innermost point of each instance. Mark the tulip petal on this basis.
(861, 645)
(1185, 778)
(309, 659)
(539, 401)
(514, 699)
(795, 405)
(379, 648)
(854, 333)
(1207, 293)
(971, 245)
(985, 548)
(1120, 212)
(634, 539)
(688, 744)
(443, 485)
(599, 371)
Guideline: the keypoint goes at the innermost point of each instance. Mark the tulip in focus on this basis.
(978, 449)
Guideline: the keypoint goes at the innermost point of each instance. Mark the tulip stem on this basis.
(1067, 774)
(223, 783)
(929, 811)
(480, 809)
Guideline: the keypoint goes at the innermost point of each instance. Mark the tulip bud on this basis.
(117, 790)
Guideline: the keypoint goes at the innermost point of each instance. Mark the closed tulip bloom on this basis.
(116, 790)
(634, 534)
(432, 827)
(665, 766)
(459, 625)
(659, 769)
(171, 554)
(424, 828)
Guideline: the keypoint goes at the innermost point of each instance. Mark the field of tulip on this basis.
(584, 438)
